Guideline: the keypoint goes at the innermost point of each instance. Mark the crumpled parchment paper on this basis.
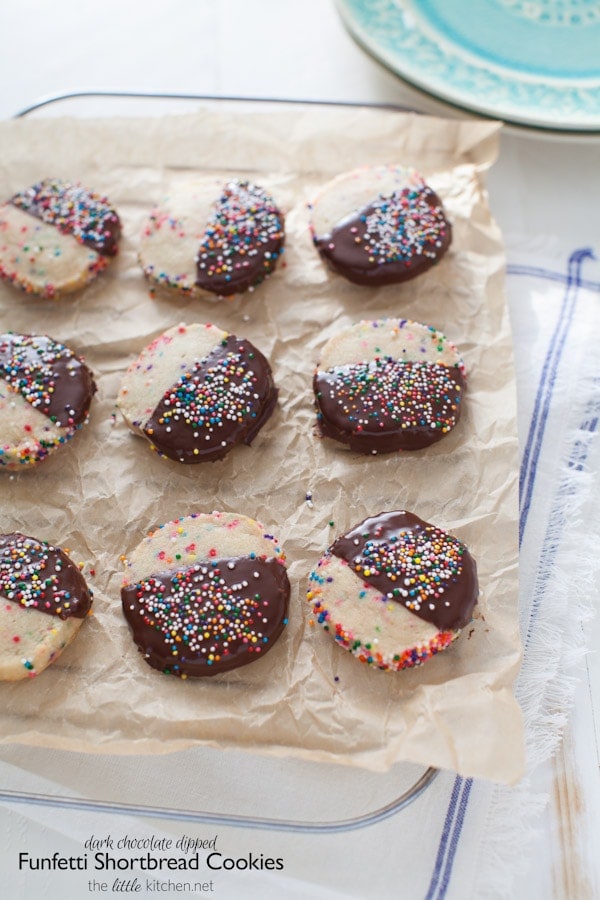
(106, 489)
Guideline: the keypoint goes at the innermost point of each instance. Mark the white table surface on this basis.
(541, 186)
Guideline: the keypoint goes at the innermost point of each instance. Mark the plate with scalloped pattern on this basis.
(531, 62)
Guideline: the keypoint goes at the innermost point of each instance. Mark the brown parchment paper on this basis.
(106, 489)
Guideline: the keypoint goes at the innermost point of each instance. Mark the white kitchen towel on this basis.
(554, 299)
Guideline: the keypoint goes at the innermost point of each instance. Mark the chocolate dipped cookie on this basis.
(196, 392)
(388, 384)
(212, 239)
(205, 594)
(379, 225)
(56, 237)
(44, 600)
(45, 395)
(394, 590)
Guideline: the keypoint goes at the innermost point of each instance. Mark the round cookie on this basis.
(55, 237)
(196, 392)
(387, 385)
(394, 590)
(43, 602)
(45, 397)
(212, 239)
(205, 594)
(379, 225)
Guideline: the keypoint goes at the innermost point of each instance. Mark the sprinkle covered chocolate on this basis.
(213, 616)
(430, 572)
(387, 404)
(36, 575)
(73, 209)
(242, 242)
(222, 400)
(49, 376)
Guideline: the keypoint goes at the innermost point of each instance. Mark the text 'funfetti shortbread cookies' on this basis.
(56, 237)
(205, 594)
(394, 590)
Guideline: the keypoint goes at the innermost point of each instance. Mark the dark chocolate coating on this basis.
(416, 564)
(211, 617)
(227, 397)
(48, 375)
(243, 241)
(392, 240)
(36, 575)
(387, 405)
(73, 210)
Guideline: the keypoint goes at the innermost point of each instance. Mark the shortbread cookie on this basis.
(205, 594)
(379, 225)
(388, 384)
(43, 602)
(55, 237)
(45, 397)
(212, 239)
(197, 391)
(394, 590)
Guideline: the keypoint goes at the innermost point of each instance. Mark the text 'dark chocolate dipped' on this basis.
(386, 385)
(219, 604)
(196, 392)
(395, 590)
(380, 225)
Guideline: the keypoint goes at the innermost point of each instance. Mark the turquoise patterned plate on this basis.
(532, 62)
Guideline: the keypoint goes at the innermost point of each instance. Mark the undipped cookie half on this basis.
(205, 594)
(43, 602)
(379, 225)
(388, 384)
(394, 590)
(196, 392)
(55, 237)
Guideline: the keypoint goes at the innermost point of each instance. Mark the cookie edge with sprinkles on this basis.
(402, 658)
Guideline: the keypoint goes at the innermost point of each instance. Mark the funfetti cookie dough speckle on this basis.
(56, 237)
(196, 392)
(212, 239)
(44, 600)
(379, 225)
(46, 391)
(388, 384)
(394, 590)
(205, 594)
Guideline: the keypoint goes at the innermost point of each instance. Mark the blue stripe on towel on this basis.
(543, 398)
